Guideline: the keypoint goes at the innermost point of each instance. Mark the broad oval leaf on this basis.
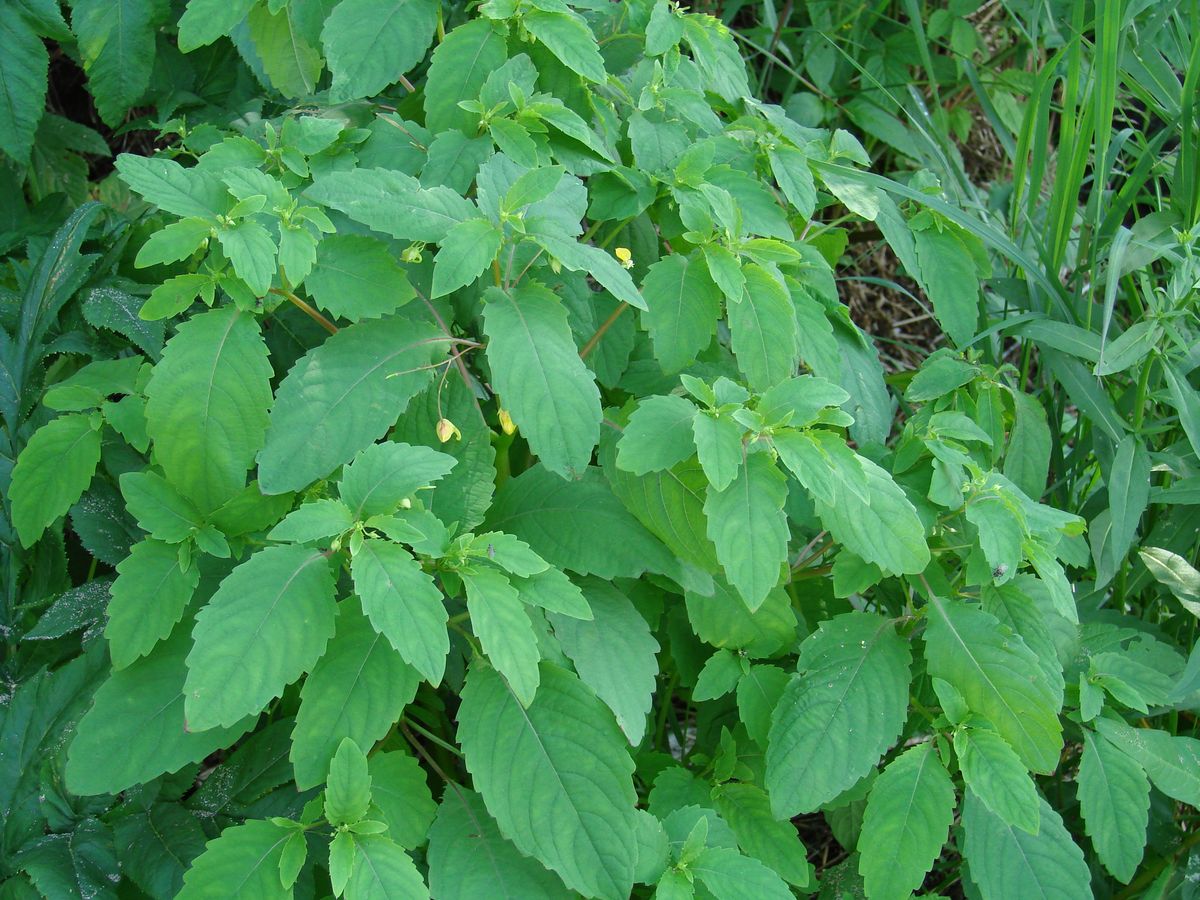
(840, 712)
(52, 472)
(556, 776)
(266, 625)
(1114, 797)
(242, 863)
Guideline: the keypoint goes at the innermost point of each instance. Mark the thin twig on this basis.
(308, 310)
(608, 323)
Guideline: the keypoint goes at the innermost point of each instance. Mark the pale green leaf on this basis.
(24, 65)
(600, 265)
(206, 20)
(393, 203)
(469, 858)
(759, 834)
(1171, 761)
(998, 676)
(1114, 798)
(400, 792)
(52, 472)
(949, 278)
(241, 864)
(877, 522)
(840, 712)
(568, 37)
(467, 250)
(992, 769)
(404, 605)
(355, 277)
(342, 396)
(747, 525)
(291, 62)
(157, 507)
(763, 330)
(731, 876)
(348, 789)
(658, 435)
(905, 824)
(314, 520)
(614, 654)
(718, 447)
(459, 67)
(116, 41)
(371, 43)
(148, 598)
(554, 592)
(503, 628)
(541, 380)
(1007, 862)
(357, 689)
(383, 871)
(683, 307)
(140, 711)
(172, 188)
(266, 625)
(556, 777)
(206, 405)
(380, 477)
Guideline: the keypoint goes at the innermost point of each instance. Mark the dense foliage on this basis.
(440, 459)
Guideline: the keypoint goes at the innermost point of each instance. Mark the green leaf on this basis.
(1027, 458)
(557, 768)
(731, 876)
(314, 520)
(266, 625)
(206, 405)
(905, 824)
(24, 65)
(614, 654)
(949, 278)
(996, 775)
(157, 507)
(719, 448)
(683, 305)
(242, 863)
(758, 694)
(1001, 533)
(759, 834)
(1128, 495)
(658, 434)
(52, 472)
(252, 250)
(720, 675)
(747, 525)
(542, 381)
(1172, 570)
(939, 375)
(568, 37)
(763, 330)
(459, 67)
(116, 41)
(1114, 798)
(604, 268)
(795, 178)
(877, 522)
(404, 605)
(723, 620)
(343, 396)
(156, 847)
(401, 794)
(1171, 761)
(1008, 862)
(393, 203)
(140, 711)
(380, 477)
(348, 791)
(172, 188)
(370, 44)
(503, 628)
(356, 277)
(289, 59)
(469, 858)
(844, 707)
(998, 676)
(148, 598)
(554, 592)
(357, 690)
(206, 20)
(117, 311)
(383, 871)
(467, 250)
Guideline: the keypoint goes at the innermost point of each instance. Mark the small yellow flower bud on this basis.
(624, 256)
(555, 266)
(412, 253)
(506, 423)
(446, 430)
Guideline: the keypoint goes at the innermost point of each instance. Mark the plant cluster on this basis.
(448, 467)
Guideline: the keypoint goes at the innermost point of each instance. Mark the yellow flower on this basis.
(625, 257)
(446, 430)
(506, 423)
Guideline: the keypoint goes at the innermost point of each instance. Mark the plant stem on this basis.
(608, 323)
(308, 310)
